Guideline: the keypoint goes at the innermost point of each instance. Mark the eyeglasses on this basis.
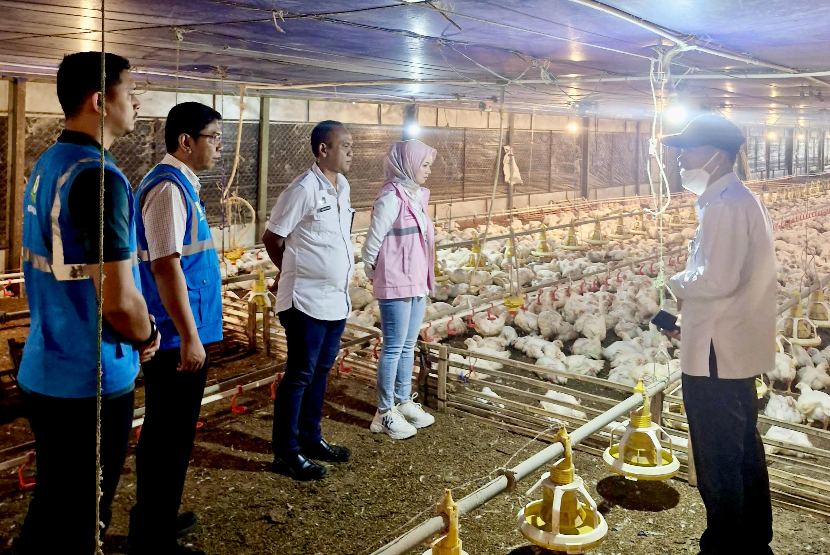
(213, 138)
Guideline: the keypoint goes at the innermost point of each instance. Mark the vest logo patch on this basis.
(35, 187)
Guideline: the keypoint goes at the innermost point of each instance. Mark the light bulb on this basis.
(801, 137)
(413, 129)
(772, 135)
(572, 127)
(676, 114)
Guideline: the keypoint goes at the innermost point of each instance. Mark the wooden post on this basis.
(17, 177)
(511, 159)
(584, 176)
(692, 472)
(251, 326)
(656, 408)
(463, 161)
(636, 162)
(788, 152)
(266, 331)
(262, 173)
(767, 154)
(442, 378)
(550, 161)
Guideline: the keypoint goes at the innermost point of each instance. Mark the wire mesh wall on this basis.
(463, 169)
(4, 175)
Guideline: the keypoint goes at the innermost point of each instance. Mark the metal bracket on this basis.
(511, 478)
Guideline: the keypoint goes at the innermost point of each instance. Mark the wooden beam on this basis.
(510, 124)
(262, 173)
(636, 162)
(17, 177)
(584, 177)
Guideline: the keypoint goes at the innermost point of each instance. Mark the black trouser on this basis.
(298, 407)
(173, 400)
(61, 517)
(729, 458)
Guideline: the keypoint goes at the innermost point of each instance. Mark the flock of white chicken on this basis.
(565, 328)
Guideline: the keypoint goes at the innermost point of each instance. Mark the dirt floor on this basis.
(389, 486)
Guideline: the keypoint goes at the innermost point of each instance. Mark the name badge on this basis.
(323, 209)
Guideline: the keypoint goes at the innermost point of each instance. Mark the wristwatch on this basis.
(154, 332)
(136, 344)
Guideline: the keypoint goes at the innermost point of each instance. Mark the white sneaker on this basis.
(393, 424)
(414, 414)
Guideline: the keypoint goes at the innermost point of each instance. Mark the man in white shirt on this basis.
(308, 238)
(727, 298)
(182, 285)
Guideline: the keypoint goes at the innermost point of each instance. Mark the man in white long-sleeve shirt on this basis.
(727, 300)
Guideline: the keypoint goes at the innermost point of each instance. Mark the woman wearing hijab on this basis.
(398, 256)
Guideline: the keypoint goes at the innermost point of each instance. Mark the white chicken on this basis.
(488, 327)
(588, 347)
(817, 356)
(492, 394)
(494, 343)
(564, 397)
(801, 356)
(548, 363)
(509, 336)
(784, 370)
(580, 364)
(527, 321)
(473, 347)
(591, 326)
(815, 376)
(785, 435)
(562, 410)
(814, 405)
(549, 323)
(782, 407)
(360, 297)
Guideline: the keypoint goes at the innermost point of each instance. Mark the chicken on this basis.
(784, 369)
(536, 347)
(619, 348)
(591, 326)
(548, 363)
(474, 348)
(626, 374)
(564, 397)
(480, 278)
(782, 407)
(562, 410)
(527, 321)
(580, 364)
(492, 394)
(487, 327)
(509, 336)
(801, 356)
(583, 346)
(785, 435)
(495, 343)
(362, 318)
(627, 330)
(816, 377)
(814, 405)
(460, 276)
(360, 297)
(817, 356)
(549, 323)
(458, 289)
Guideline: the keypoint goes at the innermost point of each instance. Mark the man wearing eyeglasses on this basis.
(182, 285)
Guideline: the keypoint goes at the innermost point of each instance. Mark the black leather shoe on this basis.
(298, 467)
(186, 523)
(324, 451)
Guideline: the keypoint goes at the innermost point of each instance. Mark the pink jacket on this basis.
(405, 264)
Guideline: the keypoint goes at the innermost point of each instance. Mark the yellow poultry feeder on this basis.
(818, 310)
(476, 261)
(688, 218)
(761, 387)
(560, 521)
(440, 276)
(639, 227)
(449, 543)
(675, 222)
(797, 329)
(639, 455)
(542, 250)
(571, 241)
(597, 239)
(260, 296)
(621, 232)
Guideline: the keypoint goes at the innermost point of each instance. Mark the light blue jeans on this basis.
(400, 321)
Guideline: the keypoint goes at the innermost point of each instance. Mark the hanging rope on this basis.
(495, 179)
(99, 373)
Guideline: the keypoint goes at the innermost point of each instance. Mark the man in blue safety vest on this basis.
(58, 372)
(181, 281)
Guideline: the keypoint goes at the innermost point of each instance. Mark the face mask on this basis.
(696, 180)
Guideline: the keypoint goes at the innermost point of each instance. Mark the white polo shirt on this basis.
(316, 221)
(729, 285)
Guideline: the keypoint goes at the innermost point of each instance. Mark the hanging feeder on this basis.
(639, 455)
(542, 250)
(260, 295)
(571, 241)
(688, 218)
(597, 239)
(621, 233)
(797, 329)
(440, 276)
(675, 222)
(639, 227)
(475, 262)
(761, 387)
(234, 206)
(818, 310)
(560, 521)
(449, 543)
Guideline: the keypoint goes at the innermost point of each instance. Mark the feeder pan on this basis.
(689, 218)
(571, 242)
(560, 521)
(596, 238)
(234, 254)
(797, 329)
(818, 310)
(621, 233)
(542, 250)
(639, 226)
(513, 303)
(449, 543)
(260, 295)
(761, 388)
(475, 262)
(639, 455)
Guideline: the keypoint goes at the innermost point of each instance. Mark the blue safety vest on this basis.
(60, 357)
(200, 264)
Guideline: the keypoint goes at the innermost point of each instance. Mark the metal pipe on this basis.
(435, 525)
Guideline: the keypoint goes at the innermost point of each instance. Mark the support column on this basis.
(636, 162)
(510, 123)
(17, 177)
(262, 170)
(788, 152)
(584, 177)
(766, 154)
